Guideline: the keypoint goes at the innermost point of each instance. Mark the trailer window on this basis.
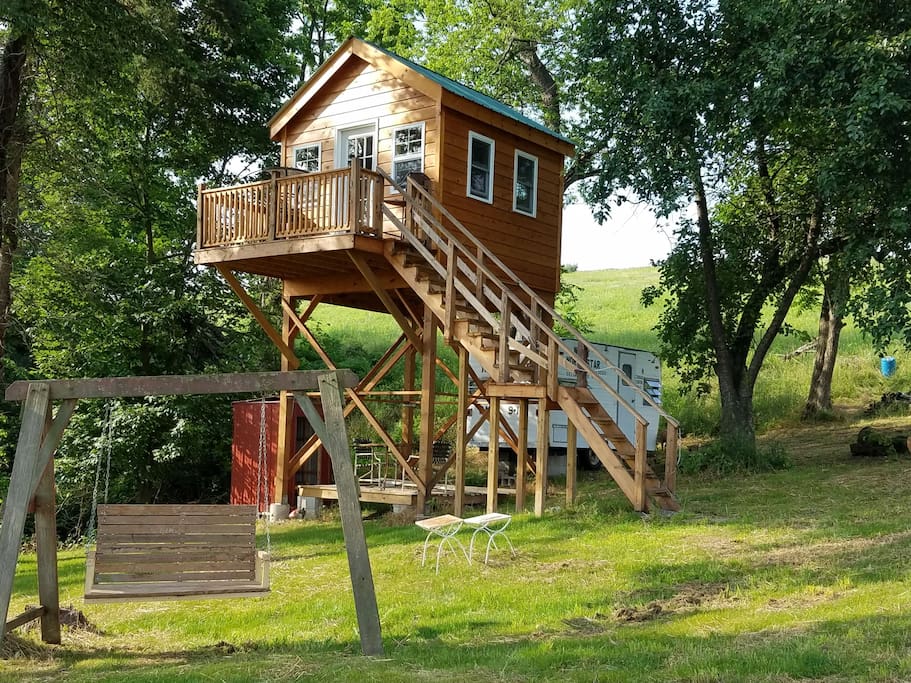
(627, 370)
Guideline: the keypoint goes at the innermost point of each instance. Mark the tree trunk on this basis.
(12, 144)
(736, 429)
(831, 321)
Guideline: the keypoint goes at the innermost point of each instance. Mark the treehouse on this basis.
(405, 192)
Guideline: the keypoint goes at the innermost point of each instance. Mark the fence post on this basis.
(379, 194)
(200, 217)
(272, 216)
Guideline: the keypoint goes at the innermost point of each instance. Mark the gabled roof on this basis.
(422, 79)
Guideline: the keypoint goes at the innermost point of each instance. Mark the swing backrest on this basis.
(174, 550)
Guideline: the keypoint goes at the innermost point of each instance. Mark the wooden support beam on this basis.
(177, 385)
(260, 317)
(571, 462)
(24, 618)
(302, 328)
(541, 457)
(284, 445)
(520, 391)
(410, 373)
(334, 435)
(458, 505)
(34, 413)
(493, 454)
(522, 455)
(428, 348)
(46, 543)
(384, 297)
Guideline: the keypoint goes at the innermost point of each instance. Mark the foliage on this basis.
(730, 458)
(781, 124)
(566, 304)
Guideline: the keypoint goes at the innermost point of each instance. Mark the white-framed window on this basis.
(407, 151)
(525, 191)
(480, 167)
(358, 141)
(307, 158)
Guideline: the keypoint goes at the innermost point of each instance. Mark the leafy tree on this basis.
(770, 120)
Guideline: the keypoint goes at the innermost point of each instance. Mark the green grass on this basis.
(800, 574)
(795, 575)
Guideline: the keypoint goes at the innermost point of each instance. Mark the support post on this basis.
(34, 412)
(541, 457)
(493, 454)
(200, 216)
(522, 455)
(670, 457)
(428, 405)
(272, 211)
(334, 435)
(410, 372)
(46, 549)
(571, 460)
(461, 423)
(284, 445)
(354, 194)
(640, 501)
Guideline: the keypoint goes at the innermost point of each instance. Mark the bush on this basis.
(718, 458)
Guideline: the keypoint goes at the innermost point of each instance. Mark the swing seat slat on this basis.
(169, 552)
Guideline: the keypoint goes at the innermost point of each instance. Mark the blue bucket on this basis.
(887, 366)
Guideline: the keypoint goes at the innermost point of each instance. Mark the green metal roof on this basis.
(472, 95)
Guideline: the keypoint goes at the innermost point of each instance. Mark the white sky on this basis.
(630, 238)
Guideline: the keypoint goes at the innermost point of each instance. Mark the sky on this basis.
(630, 238)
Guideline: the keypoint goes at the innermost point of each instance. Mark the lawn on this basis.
(800, 574)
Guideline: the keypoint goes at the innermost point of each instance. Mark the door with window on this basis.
(359, 143)
(626, 420)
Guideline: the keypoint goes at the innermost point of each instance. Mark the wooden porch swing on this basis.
(174, 552)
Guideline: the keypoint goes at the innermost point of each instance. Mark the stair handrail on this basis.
(556, 317)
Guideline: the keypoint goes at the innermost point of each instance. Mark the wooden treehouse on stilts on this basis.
(404, 192)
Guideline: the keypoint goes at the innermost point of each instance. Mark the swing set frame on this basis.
(32, 487)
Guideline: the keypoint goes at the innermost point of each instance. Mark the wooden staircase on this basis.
(507, 327)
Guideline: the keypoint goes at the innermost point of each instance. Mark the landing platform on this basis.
(395, 494)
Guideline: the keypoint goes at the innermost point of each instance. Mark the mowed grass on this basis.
(794, 575)
(801, 574)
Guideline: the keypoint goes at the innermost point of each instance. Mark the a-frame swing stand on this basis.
(32, 479)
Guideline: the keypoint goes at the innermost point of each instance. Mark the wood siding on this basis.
(363, 94)
(530, 246)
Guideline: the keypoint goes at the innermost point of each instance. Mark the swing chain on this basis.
(262, 484)
(106, 438)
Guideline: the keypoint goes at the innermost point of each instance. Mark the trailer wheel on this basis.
(588, 459)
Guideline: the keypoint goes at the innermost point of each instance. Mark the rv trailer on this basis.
(642, 367)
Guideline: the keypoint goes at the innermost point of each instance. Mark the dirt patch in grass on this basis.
(821, 553)
(688, 598)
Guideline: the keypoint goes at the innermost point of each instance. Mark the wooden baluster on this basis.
(553, 365)
(640, 502)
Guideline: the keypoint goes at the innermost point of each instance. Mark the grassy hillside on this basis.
(610, 299)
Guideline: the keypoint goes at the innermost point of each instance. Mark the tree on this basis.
(767, 119)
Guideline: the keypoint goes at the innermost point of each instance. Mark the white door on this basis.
(359, 142)
(625, 420)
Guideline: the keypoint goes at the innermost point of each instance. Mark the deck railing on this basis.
(347, 200)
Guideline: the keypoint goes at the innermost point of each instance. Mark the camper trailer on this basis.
(643, 367)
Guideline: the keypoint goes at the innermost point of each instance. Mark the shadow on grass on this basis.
(869, 649)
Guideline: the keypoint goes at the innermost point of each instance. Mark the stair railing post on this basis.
(354, 195)
(379, 193)
(582, 371)
(535, 342)
(505, 323)
(670, 457)
(479, 277)
(450, 303)
(553, 366)
(640, 502)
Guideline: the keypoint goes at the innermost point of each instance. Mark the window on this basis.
(525, 194)
(480, 167)
(407, 152)
(307, 158)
